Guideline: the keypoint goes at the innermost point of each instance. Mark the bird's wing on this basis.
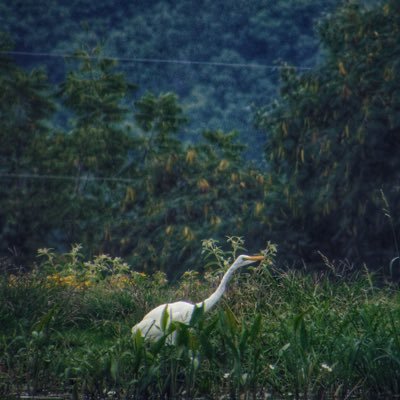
(156, 313)
(182, 314)
(181, 311)
(150, 326)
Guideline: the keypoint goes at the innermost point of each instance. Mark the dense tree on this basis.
(123, 171)
(234, 32)
(333, 140)
(120, 179)
(183, 193)
(25, 109)
(96, 146)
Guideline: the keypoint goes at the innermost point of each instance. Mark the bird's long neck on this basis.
(214, 298)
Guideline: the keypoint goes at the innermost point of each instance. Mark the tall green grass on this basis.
(65, 328)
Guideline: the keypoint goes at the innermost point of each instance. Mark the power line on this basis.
(6, 175)
(154, 60)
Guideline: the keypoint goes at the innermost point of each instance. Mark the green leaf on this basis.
(164, 320)
(255, 328)
(114, 369)
(197, 315)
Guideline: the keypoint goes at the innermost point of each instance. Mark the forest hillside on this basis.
(219, 57)
(142, 130)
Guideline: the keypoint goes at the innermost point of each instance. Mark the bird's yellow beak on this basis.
(254, 258)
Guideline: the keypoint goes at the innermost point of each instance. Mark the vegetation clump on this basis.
(279, 333)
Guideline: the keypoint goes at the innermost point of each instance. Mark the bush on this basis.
(275, 332)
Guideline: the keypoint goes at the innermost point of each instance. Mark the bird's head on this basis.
(246, 260)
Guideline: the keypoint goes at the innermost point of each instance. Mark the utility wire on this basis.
(154, 60)
(5, 175)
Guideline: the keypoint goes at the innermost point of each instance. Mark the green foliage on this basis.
(25, 106)
(251, 32)
(159, 194)
(275, 333)
(181, 192)
(162, 115)
(332, 140)
(64, 192)
(123, 175)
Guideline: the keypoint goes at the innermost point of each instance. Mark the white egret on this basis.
(181, 311)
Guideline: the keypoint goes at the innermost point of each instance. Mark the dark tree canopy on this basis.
(333, 138)
(236, 31)
(127, 158)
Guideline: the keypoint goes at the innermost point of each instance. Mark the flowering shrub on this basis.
(70, 270)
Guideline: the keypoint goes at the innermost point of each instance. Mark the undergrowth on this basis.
(65, 328)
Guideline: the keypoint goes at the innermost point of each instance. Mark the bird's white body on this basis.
(181, 311)
(151, 324)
